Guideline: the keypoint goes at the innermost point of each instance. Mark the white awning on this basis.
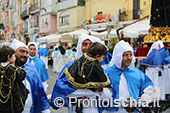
(136, 29)
(49, 38)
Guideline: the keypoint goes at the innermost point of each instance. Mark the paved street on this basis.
(53, 76)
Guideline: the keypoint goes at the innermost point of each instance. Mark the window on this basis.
(136, 8)
(64, 18)
(44, 22)
(99, 13)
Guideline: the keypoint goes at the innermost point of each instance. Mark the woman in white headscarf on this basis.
(55, 59)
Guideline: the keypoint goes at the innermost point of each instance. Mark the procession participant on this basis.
(86, 72)
(62, 59)
(38, 63)
(63, 87)
(13, 92)
(55, 59)
(125, 77)
(37, 100)
(155, 63)
(166, 72)
(43, 53)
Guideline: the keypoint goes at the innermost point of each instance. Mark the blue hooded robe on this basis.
(137, 81)
(41, 68)
(43, 52)
(39, 98)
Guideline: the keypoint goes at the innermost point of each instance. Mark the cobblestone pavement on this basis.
(53, 77)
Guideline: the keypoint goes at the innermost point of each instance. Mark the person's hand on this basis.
(129, 109)
(100, 90)
(82, 99)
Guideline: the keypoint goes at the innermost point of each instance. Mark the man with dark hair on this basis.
(13, 92)
(37, 99)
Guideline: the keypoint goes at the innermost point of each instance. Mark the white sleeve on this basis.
(82, 93)
(53, 54)
(46, 111)
(106, 94)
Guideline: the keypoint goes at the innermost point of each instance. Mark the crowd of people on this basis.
(87, 71)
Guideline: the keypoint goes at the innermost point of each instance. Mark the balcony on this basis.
(69, 3)
(24, 14)
(34, 8)
(34, 24)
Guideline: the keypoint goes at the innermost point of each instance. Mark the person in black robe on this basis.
(12, 91)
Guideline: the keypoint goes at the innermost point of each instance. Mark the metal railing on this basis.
(33, 24)
(24, 30)
(24, 14)
(34, 7)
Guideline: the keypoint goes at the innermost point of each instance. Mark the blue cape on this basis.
(167, 60)
(156, 57)
(69, 51)
(41, 68)
(56, 53)
(40, 101)
(43, 52)
(137, 81)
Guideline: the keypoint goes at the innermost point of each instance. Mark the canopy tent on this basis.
(54, 38)
(68, 37)
(49, 38)
(136, 29)
(100, 35)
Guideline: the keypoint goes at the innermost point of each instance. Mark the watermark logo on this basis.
(59, 102)
(130, 102)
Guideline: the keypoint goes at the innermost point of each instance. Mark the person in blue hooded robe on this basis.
(63, 88)
(36, 101)
(43, 53)
(155, 64)
(125, 77)
(38, 63)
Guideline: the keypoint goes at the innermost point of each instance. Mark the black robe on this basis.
(86, 72)
(12, 91)
(160, 13)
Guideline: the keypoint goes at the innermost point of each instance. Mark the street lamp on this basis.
(109, 28)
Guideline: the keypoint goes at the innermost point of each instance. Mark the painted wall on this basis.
(112, 7)
(53, 23)
(104, 6)
(77, 16)
(145, 5)
(51, 27)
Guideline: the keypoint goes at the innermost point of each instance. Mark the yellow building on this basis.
(70, 16)
(126, 8)
(102, 13)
